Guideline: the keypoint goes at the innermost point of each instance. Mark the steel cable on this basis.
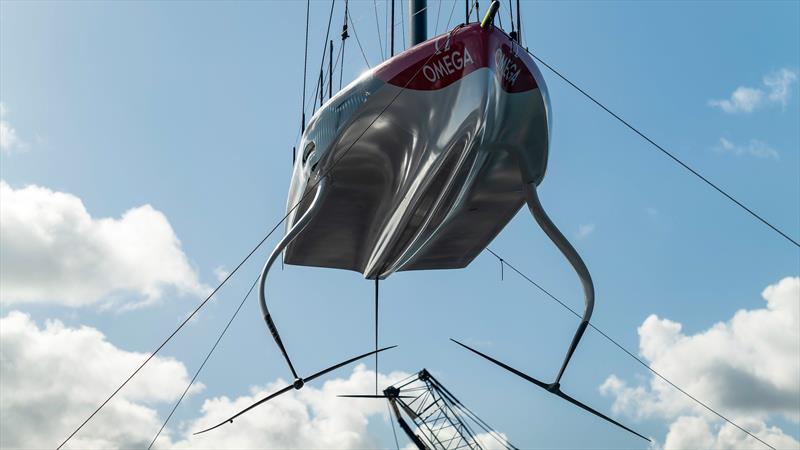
(628, 352)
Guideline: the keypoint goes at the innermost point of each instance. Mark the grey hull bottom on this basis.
(429, 184)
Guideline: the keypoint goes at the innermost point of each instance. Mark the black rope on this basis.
(305, 68)
(358, 41)
(392, 21)
(335, 66)
(327, 37)
(665, 151)
(639, 360)
(377, 27)
(438, 11)
(511, 15)
(377, 281)
(344, 38)
(450, 17)
(391, 420)
(403, 25)
(199, 369)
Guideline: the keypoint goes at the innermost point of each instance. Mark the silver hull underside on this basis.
(417, 179)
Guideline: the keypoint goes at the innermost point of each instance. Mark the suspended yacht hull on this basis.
(424, 156)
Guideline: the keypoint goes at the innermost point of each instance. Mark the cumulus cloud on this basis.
(746, 367)
(694, 432)
(50, 369)
(9, 140)
(775, 90)
(55, 252)
(221, 273)
(585, 230)
(312, 417)
(53, 376)
(753, 148)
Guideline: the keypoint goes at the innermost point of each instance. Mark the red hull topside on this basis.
(445, 59)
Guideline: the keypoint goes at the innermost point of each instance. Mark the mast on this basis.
(418, 21)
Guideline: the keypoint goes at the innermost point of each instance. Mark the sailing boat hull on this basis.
(425, 157)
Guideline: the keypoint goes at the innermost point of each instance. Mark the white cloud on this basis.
(778, 84)
(55, 252)
(754, 148)
(776, 90)
(9, 140)
(747, 368)
(693, 432)
(585, 230)
(221, 273)
(54, 376)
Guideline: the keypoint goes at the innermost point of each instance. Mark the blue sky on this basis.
(193, 108)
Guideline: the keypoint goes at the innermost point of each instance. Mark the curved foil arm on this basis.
(532, 199)
(290, 235)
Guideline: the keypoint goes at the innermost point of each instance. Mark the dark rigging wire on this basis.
(199, 369)
(377, 281)
(438, 11)
(327, 37)
(403, 25)
(358, 41)
(511, 15)
(639, 360)
(665, 151)
(450, 17)
(378, 27)
(305, 69)
(344, 38)
(394, 432)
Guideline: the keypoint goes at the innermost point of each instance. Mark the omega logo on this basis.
(448, 64)
(506, 68)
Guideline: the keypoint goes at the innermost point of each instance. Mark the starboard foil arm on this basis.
(555, 235)
(287, 239)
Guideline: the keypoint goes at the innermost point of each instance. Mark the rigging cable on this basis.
(519, 24)
(377, 27)
(449, 18)
(199, 369)
(511, 15)
(438, 11)
(358, 41)
(663, 150)
(392, 21)
(394, 432)
(305, 68)
(377, 281)
(344, 37)
(403, 25)
(327, 37)
(639, 360)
